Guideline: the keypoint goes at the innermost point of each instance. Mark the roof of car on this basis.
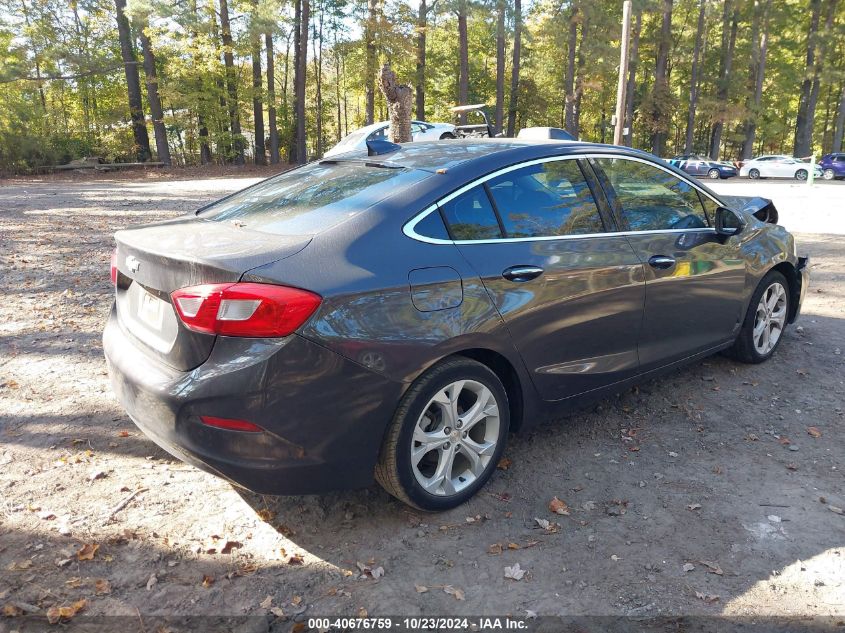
(444, 155)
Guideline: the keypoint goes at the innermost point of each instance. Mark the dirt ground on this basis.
(717, 490)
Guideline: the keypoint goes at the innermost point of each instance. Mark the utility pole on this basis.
(623, 73)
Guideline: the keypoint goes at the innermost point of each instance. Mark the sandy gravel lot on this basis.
(703, 493)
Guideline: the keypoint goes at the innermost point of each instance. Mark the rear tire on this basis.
(762, 329)
(754, 174)
(713, 174)
(828, 174)
(801, 174)
(447, 436)
(446, 135)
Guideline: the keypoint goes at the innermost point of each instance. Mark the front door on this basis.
(694, 277)
(570, 294)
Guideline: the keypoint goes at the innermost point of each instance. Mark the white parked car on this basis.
(777, 166)
(420, 131)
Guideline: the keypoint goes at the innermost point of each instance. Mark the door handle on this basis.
(661, 262)
(522, 273)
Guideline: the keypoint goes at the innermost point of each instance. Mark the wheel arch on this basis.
(788, 270)
(507, 373)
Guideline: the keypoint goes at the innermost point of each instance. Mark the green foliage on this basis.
(63, 92)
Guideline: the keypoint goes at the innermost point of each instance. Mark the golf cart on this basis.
(475, 130)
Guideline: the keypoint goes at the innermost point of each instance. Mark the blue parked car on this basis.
(698, 166)
(833, 166)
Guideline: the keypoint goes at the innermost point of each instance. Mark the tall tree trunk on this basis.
(257, 87)
(205, 148)
(317, 47)
(271, 99)
(730, 18)
(803, 124)
(661, 82)
(160, 131)
(463, 59)
(231, 83)
(337, 91)
(839, 129)
(224, 146)
(579, 76)
(398, 97)
(693, 84)
(370, 31)
(133, 83)
(517, 46)
(422, 27)
(301, 152)
(293, 156)
(807, 145)
(569, 77)
(758, 72)
(500, 64)
(632, 77)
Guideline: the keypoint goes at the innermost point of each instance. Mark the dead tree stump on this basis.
(398, 105)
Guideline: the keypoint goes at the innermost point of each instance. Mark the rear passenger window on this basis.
(471, 216)
(544, 200)
(651, 199)
(432, 226)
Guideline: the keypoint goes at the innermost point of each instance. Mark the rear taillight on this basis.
(244, 309)
(114, 267)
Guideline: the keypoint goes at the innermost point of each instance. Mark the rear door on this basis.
(694, 277)
(570, 292)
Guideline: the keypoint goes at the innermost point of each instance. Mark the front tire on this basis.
(764, 323)
(801, 174)
(754, 174)
(828, 174)
(446, 437)
(713, 174)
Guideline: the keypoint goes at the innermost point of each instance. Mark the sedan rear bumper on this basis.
(323, 416)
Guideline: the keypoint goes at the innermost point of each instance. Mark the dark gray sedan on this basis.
(396, 315)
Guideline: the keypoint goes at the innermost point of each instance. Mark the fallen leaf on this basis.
(712, 567)
(123, 434)
(495, 548)
(153, 581)
(74, 582)
(229, 546)
(688, 567)
(708, 598)
(836, 510)
(299, 627)
(514, 572)
(784, 441)
(421, 588)
(266, 603)
(296, 600)
(296, 559)
(102, 587)
(266, 515)
(548, 526)
(792, 466)
(454, 591)
(694, 506)
(57, 614)
(24, 564)
(362, 613)
(87, 551)
(504, 463)
(513, 545)
(814, 431)
(11, 610)
(558, 507)
(278, 612)
(207, 581)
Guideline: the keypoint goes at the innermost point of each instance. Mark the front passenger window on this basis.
(651, 199)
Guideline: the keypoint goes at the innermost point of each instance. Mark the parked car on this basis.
(544, 134)
(777, 166)
(397, 315)
(833, 166)
(420, 131)
(696, 165)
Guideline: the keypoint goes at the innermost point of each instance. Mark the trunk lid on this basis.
(157, 259)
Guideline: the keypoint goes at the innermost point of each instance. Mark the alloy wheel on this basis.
(455, 437)
(801, 174)
(713, 174)
(770, 319)
(754, 174)
(828, 174)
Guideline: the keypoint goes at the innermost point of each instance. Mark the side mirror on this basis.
(728, 222)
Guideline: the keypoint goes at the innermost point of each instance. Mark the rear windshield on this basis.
(311, 199)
